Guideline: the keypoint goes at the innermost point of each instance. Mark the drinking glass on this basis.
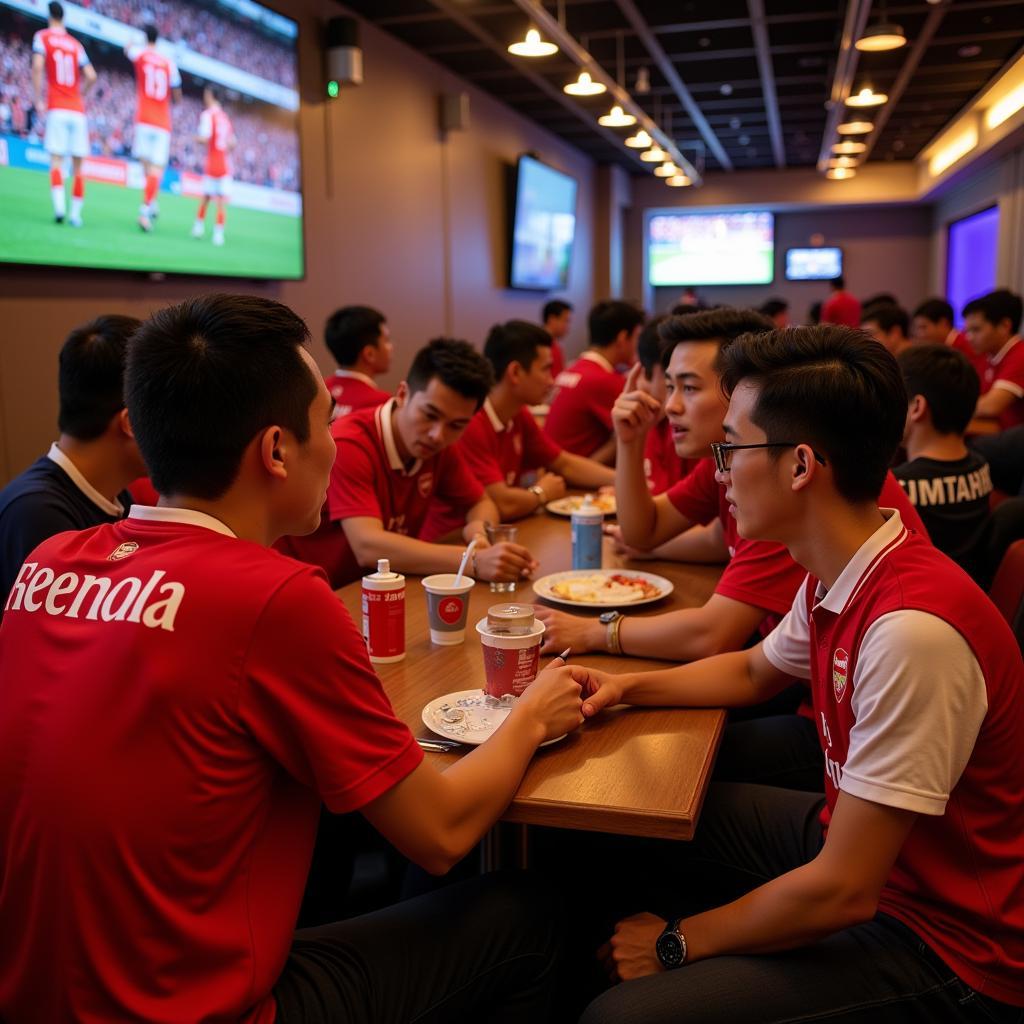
(495, 535)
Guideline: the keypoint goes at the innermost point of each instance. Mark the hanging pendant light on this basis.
(867, 98)
(678, 181)
(840, 173)
(666, 170)
(855, 128)
(533, 46)
(616, 118)
(584, 86)
(842, 161)
(846, 148)
(639, 141)
(655, 155)
(880, 37)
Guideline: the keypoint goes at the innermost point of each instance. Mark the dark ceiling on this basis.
(713, 49)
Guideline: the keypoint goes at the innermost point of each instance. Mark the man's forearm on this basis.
(407, 554)
(583, 472)
(605, 455)
(636, 511)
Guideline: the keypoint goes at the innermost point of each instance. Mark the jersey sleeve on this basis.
(456, 485)
(132, 53)
(1010, 374)
(38, 46)
(602, 397)
(311, 699)
(205, 125)
(352, 490)
(479, 455)
(763, 575)
(788, 645)
(912, 738)
(696, 495)
(83, 57)
(173, 74)
(539, 450)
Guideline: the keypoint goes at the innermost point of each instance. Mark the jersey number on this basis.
(221, 135)
(64, 68)
(155, 85)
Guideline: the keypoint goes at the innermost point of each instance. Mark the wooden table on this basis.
(633, 771)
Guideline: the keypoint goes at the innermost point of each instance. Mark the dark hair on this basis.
(607, 319)
(934, 310)
(838, 283)
(204, 377)
(56, 10)
(456, 364)
(683, 308)
(831, 387)
(997, 306)
(887, 316)
(649, 346)
(556, 307)
(948, 382)
(881, 299)
(152, 33)
(349, 330)
(514, 342)
(814, 312)
(91, 375)
(722, 325)
(773, 307)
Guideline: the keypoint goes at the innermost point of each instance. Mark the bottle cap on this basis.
(510, 618)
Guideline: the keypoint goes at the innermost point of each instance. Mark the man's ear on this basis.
(401, 394)
(124, 425)
(918, 408)
(805, 467)
(273, 452)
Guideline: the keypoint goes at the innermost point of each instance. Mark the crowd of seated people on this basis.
(866, 805)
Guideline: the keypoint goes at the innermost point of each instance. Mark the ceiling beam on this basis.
(921, 43)
(456, 14)
(557, 33)
(668, 70)
(767, 73)
(857, 12)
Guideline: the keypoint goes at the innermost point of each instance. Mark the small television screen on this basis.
(819, 264)
(711, 248)
(157, 137)
(543, 226)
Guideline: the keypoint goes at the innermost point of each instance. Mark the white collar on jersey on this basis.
(492, 415)
(355, 375)
(867, 558)
(184, 516)
(112, 508)
(998, 357)
(596, 357)
(387, 435)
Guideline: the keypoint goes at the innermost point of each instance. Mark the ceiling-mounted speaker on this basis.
(454, 111)
(344, 57)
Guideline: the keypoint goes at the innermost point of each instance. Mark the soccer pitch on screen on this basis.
(257, 243)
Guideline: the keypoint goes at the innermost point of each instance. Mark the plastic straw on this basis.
(465, 559)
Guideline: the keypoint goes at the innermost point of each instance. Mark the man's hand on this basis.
(573, 631)
(552, 485)
(631, 952)
(504, 562)
(552, 701)
(600, 689)
(635, 411)
(622, 549)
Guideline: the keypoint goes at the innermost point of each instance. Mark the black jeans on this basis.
(483, 950)
(777, 750)
(875, 972)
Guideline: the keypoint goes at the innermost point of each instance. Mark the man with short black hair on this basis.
(933, 324)
(176, 702)
(394, 463)
(360, 341)
(580, 419)
(900, 894)
(946, 482)
(840, 307)
(991, 324)
(82, 481)
(557, 320)
(888, 325)
(777, 310)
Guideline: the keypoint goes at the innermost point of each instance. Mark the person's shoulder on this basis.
(43, 481)
(356, 424)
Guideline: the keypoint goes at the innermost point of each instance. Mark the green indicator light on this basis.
(333, 90)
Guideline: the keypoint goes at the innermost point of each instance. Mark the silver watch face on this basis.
(607, 617)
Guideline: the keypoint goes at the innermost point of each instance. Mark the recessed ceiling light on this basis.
(881, 36)
(849, 147)
(616, 118)
(704, 42)
(855, 128)
(734, 123)
(725, 89)
(585, 86)
(971, 50)
(533, 46)
(867, 98)
(744, 140)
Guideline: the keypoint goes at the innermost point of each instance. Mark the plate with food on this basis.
(569, 504)
(470, 716)
(602, 588)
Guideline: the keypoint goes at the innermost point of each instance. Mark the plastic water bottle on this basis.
(587, 521)
(384, 614)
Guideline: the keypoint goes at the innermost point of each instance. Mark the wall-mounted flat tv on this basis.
(543, 226)
(711, 248)
(824, 263)
(182, 156)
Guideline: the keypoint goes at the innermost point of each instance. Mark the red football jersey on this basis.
(155, 77)
(1005, 370)
(351, 391)
(557, 358)
(215, 129)
(580, 419)
(958, 881)
(64, 57)
(175, 704)
(958, 340)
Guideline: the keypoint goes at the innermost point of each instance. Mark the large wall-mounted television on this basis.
(543, 226)
(238, 67)
(711, 248)
(822, 263)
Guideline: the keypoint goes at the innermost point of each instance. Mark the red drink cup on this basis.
(511, 660)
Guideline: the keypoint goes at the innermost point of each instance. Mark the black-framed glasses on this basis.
(723, 451)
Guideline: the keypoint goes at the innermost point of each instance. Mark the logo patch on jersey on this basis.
(840, 671)
(425, 484)
(129, 547)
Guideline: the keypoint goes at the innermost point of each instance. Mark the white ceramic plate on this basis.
(544, 587)
(567, 505)
(478, 722)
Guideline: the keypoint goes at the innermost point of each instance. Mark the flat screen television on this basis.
(824, 263)
(711, 248)
(543, 226)
(237, 62)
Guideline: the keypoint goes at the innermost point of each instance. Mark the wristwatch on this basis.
(671, 946)
(539, 491)
(613, 620)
